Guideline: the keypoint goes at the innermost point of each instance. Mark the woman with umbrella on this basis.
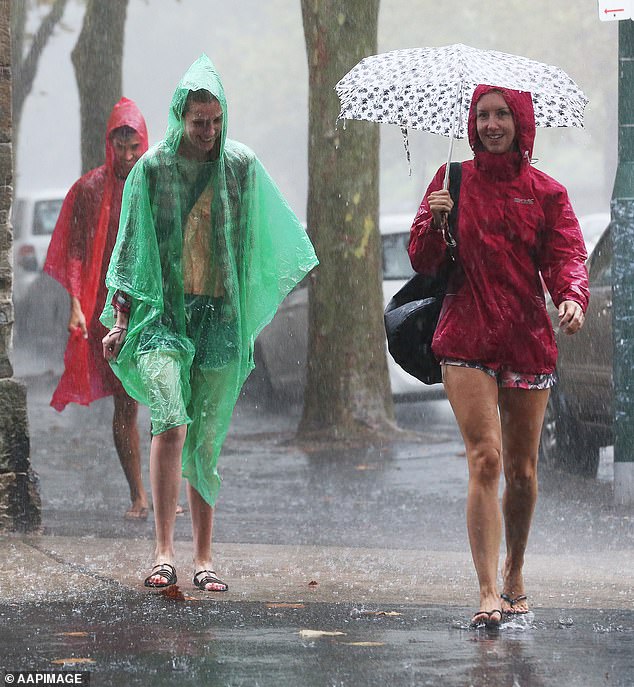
(494, 338)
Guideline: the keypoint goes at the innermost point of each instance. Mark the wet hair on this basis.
(200, 96)
(123, 133)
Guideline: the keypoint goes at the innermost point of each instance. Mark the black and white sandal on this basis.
(164, 570)
(205, 577)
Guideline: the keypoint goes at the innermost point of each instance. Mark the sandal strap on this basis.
(165, 570)
(163, 567)
(513, 601)
(210, 577)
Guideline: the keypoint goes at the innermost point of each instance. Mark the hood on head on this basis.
(202, 75)
(521, 105)
(125, 113)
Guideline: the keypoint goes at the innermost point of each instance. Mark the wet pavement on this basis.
(367, 542)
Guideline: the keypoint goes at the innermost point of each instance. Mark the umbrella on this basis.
(431, 88)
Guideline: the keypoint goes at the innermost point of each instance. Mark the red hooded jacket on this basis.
(78, 258)
(514, 222)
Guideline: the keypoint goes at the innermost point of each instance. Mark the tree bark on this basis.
(20, 505)
(98, 61)
(347, 389)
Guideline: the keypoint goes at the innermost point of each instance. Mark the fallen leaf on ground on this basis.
(69, 661)
(174, 593)
(313, 583)
(377, 613)
(320, 633)
(284, 605)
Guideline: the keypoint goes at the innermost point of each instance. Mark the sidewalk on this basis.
(49, 568)
(371, 527)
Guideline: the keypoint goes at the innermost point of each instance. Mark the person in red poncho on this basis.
(78, 257)
(494, 338)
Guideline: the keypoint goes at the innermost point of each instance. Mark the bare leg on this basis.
(473, 395)
(126, 440)
(165, 476)
(522, 415)
(202, 526)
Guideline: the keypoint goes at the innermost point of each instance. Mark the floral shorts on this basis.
(506, 378)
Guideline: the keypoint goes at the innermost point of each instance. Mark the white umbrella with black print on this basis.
(430, 89)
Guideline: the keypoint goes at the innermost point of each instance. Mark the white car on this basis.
(592, 226)
(280, 350)
(41, 305)
(33, 217)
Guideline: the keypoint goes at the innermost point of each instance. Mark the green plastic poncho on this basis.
(197, 317)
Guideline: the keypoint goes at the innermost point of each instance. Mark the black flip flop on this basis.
(490, 623)
(512, 601)
(209, 577)
(164, 570)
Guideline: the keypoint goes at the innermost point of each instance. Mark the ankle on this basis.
(163, 556)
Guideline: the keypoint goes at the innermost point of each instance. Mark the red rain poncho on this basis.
(513, 223)
(78, 258)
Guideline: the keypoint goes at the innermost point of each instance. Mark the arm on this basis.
(427, 248)
(77, 318)
(562, 264)
(113, 340)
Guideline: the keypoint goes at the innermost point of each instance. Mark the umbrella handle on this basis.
(445, 183)
(457, 121)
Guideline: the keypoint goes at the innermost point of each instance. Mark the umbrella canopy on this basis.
(431, 88)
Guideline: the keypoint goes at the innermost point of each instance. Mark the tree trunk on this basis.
(347, 389)
(98, 61)
(20, 506)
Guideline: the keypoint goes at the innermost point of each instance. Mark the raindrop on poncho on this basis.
(207, 252)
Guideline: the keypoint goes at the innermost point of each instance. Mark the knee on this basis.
(172, 436)
(485, 465)
(521, 476)
(126, 409)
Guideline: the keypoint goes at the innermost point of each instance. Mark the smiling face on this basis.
(495, 123)
(202, 128)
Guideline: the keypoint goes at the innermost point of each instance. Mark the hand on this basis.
(571, 317)
(440, 204)
(77, 318)
(113, 341)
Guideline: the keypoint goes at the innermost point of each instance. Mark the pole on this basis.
(622, 209)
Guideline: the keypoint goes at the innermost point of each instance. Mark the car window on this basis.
(396, 264)
(45, 214)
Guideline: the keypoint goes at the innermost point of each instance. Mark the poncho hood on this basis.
(202, 75)
(521, 105)
(124, 113)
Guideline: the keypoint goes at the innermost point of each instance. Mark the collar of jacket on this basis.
(500, 167)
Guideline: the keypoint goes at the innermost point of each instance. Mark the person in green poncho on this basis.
(206, 251)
